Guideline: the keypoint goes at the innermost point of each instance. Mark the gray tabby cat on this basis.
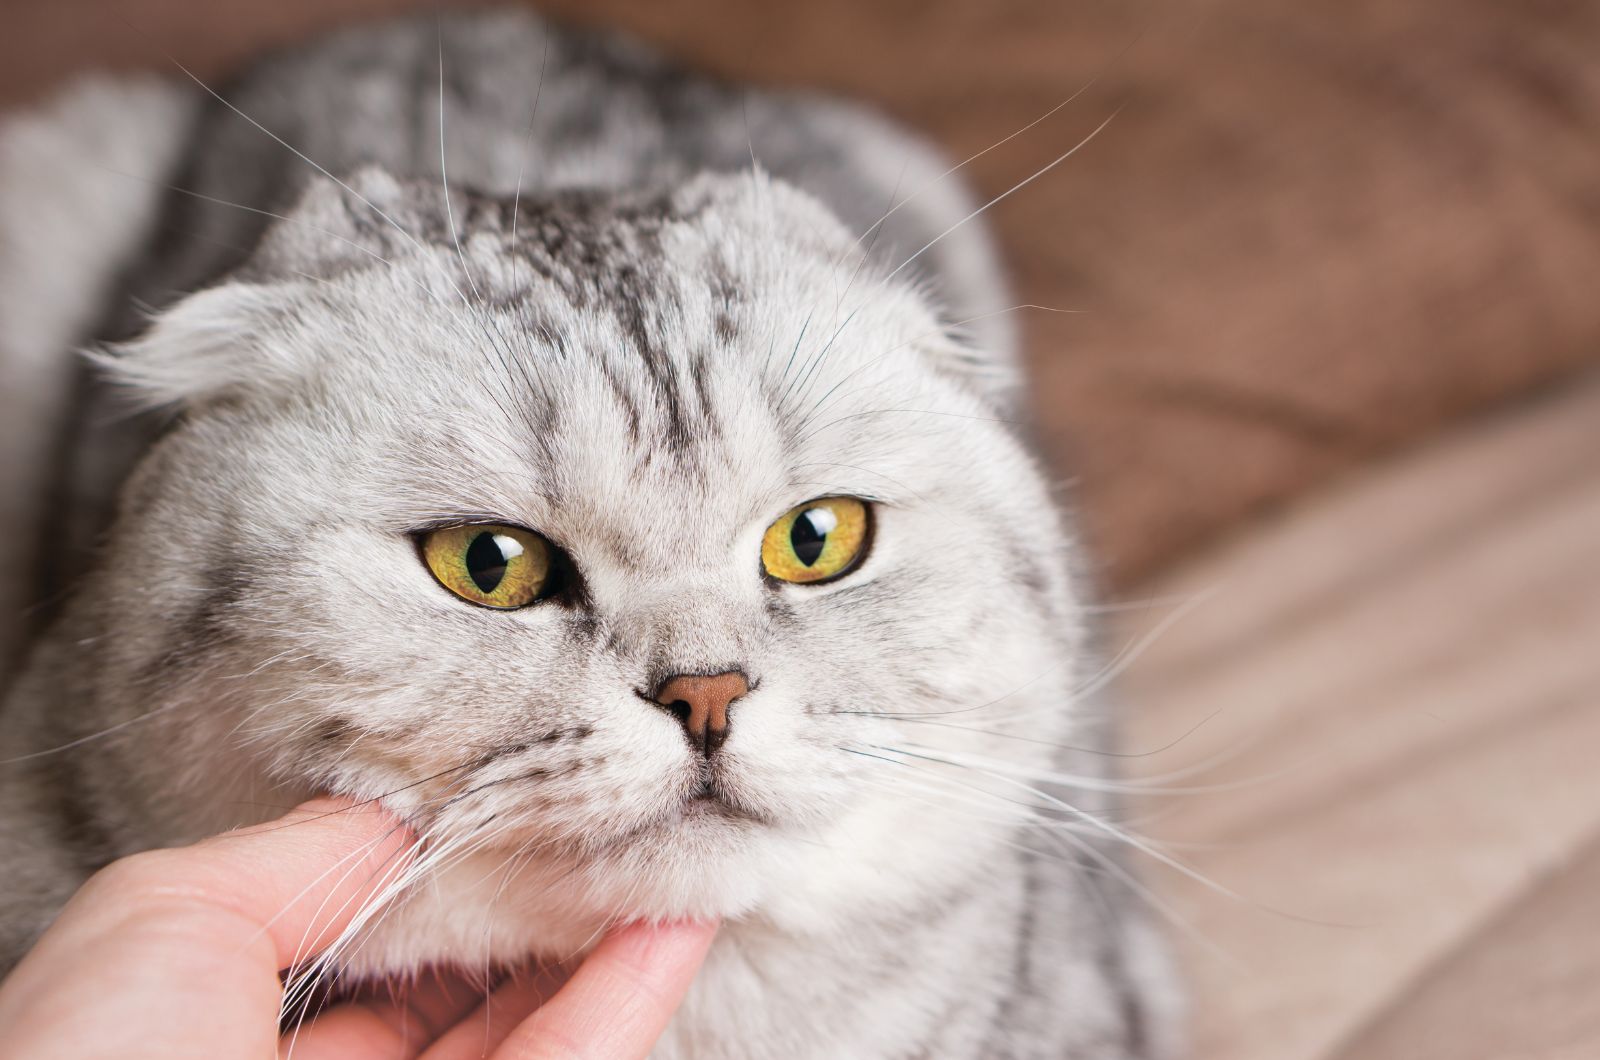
(614, 472)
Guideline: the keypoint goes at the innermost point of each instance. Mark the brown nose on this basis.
(701, 704)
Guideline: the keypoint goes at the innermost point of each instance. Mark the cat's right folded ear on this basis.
(237, 333)
(211, 344)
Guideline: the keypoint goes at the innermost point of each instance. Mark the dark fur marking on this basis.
(599, 250)
(625, 401)
(1112, 961)
(1029, 572)
(700, 374)
(1023, 987)
(203, 628)
(726, 294)
(632, 295)
(779, 609)
(62, 790)
(1133, 1022)
(584, 626)
(334, 731)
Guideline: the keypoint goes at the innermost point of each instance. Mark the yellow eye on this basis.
(495, 566)
(820, 539)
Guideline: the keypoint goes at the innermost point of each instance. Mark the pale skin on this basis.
(176, 953)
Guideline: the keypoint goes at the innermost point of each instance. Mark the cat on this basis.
(617, 473)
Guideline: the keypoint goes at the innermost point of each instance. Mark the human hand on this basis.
(177, 954)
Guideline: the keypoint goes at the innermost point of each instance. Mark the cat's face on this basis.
(647, 389)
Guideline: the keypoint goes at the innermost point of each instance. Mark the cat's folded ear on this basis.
(211, 344)
(236, 334)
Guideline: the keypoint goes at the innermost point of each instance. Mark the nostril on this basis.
(700, 702)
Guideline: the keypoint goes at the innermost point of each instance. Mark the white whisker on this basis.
(1018, 186)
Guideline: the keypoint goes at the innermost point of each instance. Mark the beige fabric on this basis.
(1406, 680)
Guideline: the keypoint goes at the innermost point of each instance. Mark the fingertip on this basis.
(337, 815)
(659, 944)
(621, 997)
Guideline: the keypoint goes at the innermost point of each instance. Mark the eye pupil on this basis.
(486, 560)
(815, 542)
(809, 535)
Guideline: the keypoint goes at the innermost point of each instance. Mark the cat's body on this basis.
(616, 332)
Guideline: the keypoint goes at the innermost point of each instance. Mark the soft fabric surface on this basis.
(1403, 696)
(1313, 232)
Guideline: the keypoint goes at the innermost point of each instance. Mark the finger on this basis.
(491, 1023)
(356, 1032)
(387, 1021)
(619, 1000)
(180, 949)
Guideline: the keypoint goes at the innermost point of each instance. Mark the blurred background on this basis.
(1327, 406)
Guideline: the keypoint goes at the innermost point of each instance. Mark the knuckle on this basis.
(140, 881)
(129, 873)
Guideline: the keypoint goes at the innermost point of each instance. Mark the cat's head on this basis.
(639, 545)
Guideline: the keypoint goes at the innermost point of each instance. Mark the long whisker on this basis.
(1119, 663)
(501, 353)
(1114, 832)
(803, 384)
(214, 200)
(312, 922)
(303, 978)
(444, 179)
(915, 719)
(1157, 785)
(308, 160)
(1131, 653)
(489, 325)
(956, 168)
(821, 403)
(1107, 863)
(527, 142)
(1018, 186)
(374, 800)
(80, 741)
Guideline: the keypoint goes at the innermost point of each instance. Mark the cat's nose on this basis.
(701, 704)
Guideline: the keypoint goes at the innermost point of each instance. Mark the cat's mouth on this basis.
(711, 799)
(706, 812)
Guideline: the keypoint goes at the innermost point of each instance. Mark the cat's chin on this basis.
(707, 862)
(714, 858)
